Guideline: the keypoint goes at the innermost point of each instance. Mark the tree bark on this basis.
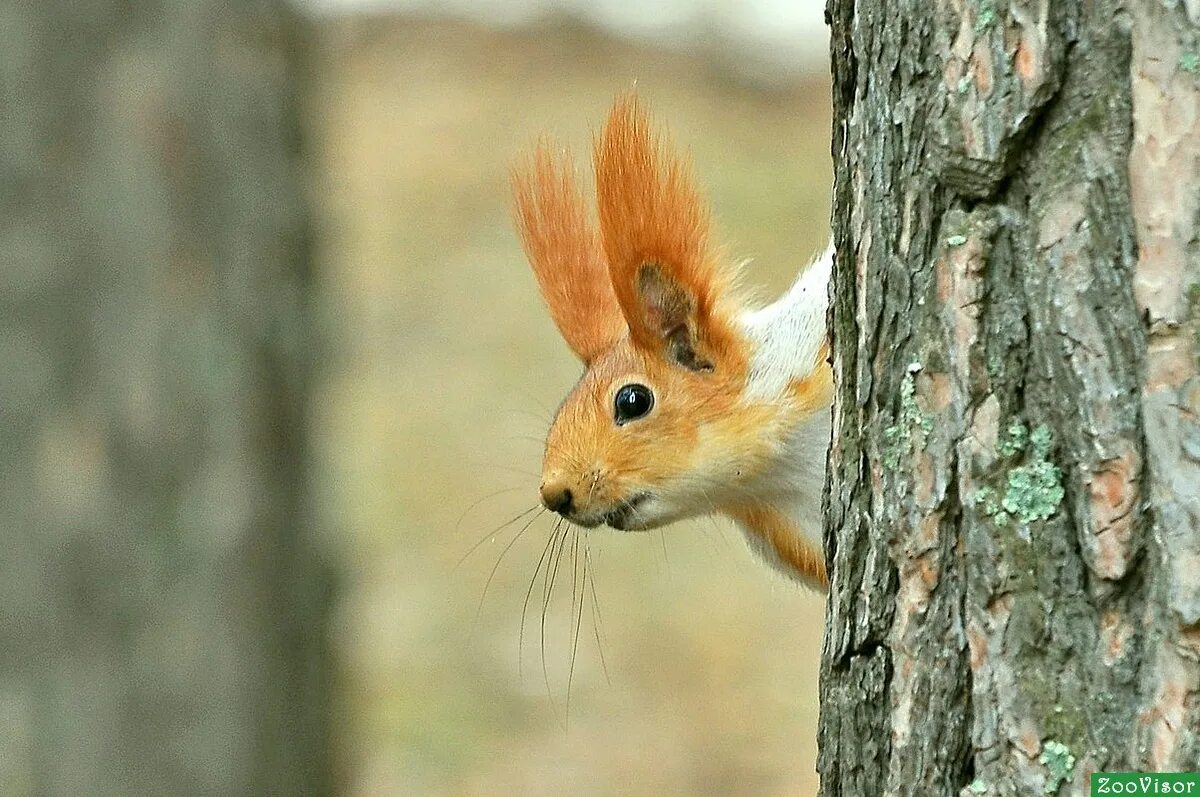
(162, 603)
(1014, 509)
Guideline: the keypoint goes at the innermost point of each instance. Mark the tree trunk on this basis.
(1014, 510)
(162, 605)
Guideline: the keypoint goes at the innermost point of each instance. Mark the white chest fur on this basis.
(787, 334)
(787, 337)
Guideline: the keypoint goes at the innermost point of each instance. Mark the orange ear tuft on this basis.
(655, 231)
(564, 250)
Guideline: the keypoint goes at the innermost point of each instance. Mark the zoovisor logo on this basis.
(1105, 783)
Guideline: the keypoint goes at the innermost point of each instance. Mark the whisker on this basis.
(527, 438)
(549, 546)
(712, 519)
(473, 504)
(578, 612)
(549, 591)
(545, 420)
(506, 469)
(712, 532)
(572, 461)
(500, 559)
(596, 622)
(493, 533)
(529, 397)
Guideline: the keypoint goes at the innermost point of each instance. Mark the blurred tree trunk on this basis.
(162, 603)
(1014, 511)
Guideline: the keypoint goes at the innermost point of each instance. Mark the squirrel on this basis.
(693, 400)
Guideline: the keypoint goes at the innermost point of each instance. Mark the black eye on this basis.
(632, 402)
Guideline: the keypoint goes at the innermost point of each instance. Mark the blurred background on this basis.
(274, 375)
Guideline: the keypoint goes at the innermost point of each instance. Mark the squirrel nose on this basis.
(557, 498)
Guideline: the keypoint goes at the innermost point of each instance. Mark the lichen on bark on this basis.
(1012, 526)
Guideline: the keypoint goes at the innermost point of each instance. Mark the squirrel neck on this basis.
(783, 522)
(789, 372)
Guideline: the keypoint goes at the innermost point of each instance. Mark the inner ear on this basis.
(671, 313)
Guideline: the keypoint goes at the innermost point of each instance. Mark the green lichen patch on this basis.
(1014, 440)
(987, 502)
(1059, 763)
(978, 786)
(1040, 440)
(956, 240)
(986, 16)
(1190, 62)
(1034, 489)
(912, 425)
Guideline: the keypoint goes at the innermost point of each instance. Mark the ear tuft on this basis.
(655, 231)
(565, 252)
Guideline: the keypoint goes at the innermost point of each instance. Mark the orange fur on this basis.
(815, 391)
(775, 531)
(620, 298)
(652, 214)
(698, 419)
(564, 250)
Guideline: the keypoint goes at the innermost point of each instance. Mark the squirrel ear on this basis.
(668, 314)
(655, 227)
(564, 250)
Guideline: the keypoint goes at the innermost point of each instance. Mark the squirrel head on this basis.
(657, 429)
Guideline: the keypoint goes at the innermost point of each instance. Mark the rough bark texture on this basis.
(1014, 506)
(162, 607)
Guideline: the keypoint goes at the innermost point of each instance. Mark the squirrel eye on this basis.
(632, 402)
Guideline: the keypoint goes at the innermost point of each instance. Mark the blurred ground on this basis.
(443, 375)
